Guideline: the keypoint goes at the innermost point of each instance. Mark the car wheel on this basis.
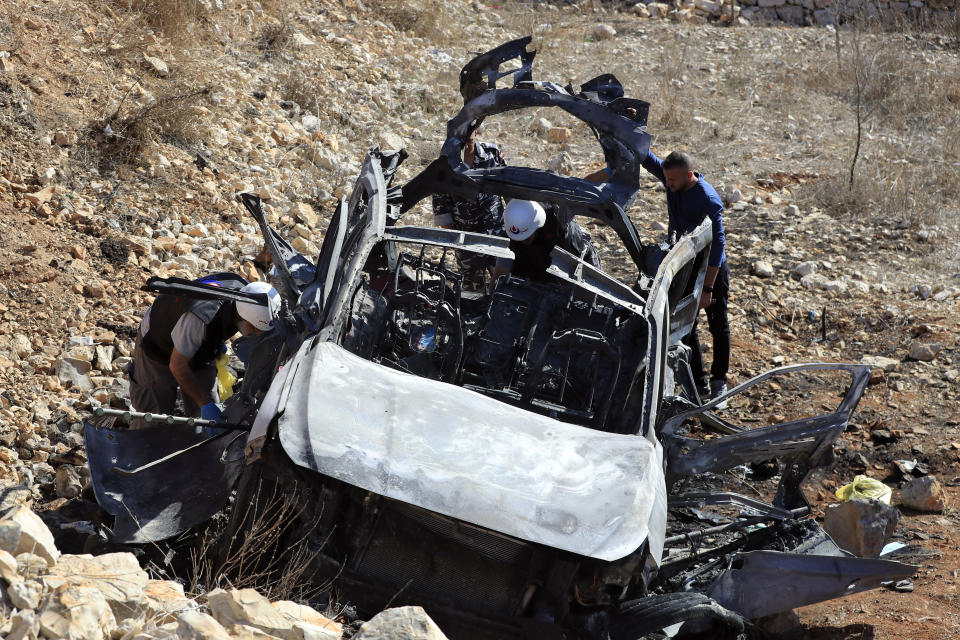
(636, 619)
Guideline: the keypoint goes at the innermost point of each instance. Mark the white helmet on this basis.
(521, 218)
(257, 315)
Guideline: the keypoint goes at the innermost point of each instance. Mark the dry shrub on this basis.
(275, 36)
(675, 101)
(262, 556)
(126, 134)
(422, 18)
(298, 86)
(175, 18)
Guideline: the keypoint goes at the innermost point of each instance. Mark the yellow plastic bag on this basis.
(225, 379)
(864, 488)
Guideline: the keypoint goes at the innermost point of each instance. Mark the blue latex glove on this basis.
(211, 411)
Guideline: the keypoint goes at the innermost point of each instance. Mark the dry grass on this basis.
(177, 19)
(124, 135)
(298, 85)
(908, 104)
(261, 556)
(421, 18)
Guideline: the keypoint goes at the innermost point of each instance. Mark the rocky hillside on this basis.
(130, 126)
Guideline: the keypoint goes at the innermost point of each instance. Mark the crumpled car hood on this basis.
(470, 457)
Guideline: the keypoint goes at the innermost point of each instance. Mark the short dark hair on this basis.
(678, 160)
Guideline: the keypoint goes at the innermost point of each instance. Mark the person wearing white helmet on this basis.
(179, 340)
(534, 231)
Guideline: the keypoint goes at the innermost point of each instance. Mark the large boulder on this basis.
(33, 537)
(862, 527)
(117, 576)
(401, 623)
(71, 611)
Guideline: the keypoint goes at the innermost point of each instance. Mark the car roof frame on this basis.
(622, 137)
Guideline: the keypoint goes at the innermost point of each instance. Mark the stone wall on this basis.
(798, 12)
(823, 12)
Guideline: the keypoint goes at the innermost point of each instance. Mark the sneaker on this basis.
(703, 391)
(717, 389)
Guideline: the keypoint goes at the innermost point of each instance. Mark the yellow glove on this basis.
(225, 379)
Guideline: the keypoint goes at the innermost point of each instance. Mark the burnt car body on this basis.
(511, 460)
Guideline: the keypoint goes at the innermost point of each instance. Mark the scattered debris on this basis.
(865, 488)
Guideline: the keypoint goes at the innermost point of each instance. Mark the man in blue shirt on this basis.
(690, 199)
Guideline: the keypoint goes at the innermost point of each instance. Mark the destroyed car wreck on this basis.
(511, 459)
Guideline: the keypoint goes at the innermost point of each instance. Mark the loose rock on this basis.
(924, 351)
(559, 134)
(604, 32)
(762, 269)
(862, 527)
(194, 625)
(247, 607)
(880, 362)
(804, 269)
(68, 483)
(164, 600)
(117, 576)
(401, 623)
(25, 594)
(923, 494)
(34, 536)
(24, 625)
(73, 611)
(157, 65)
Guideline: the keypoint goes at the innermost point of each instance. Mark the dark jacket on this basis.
(687, 209)
(482, 213)
(218, 316)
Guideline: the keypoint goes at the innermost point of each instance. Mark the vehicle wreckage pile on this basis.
(516, 460)
(375, 306)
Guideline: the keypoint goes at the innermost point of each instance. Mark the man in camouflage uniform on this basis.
(480, 214)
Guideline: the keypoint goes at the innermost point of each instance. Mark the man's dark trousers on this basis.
(719, 330)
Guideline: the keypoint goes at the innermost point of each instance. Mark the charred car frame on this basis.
(512, 460)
